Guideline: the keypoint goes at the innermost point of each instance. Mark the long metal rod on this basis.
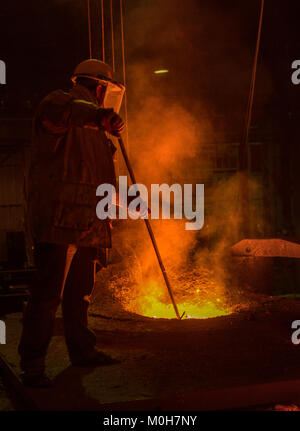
(244, 162)
(151, 234)
(253, 77)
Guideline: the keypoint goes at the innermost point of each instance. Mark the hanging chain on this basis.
(124, 72)
(102, 26)
(112, 36)
(89, 27)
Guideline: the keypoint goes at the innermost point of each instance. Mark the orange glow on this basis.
(166, 147)
(153, 302)
(198, 282)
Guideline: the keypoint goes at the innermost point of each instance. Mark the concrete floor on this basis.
(164, 358)
(5, 400)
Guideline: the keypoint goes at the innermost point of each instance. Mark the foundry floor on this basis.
(162, 358)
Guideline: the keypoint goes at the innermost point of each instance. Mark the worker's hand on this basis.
(142, 210)
(112, 122)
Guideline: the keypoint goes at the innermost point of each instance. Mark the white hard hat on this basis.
(94, 69)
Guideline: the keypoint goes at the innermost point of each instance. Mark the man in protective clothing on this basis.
(71, 156)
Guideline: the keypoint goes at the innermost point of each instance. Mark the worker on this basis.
(71, 155)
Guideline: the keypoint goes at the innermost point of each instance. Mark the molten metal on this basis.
(153, 303)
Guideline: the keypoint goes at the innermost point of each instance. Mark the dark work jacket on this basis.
(70, 157)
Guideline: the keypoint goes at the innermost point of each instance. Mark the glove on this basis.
(112, 122)
(142, 210)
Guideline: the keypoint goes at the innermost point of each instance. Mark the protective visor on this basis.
(114, 92)
(113, 95)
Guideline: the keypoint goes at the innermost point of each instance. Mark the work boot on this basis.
(36, 380)
(97, 359)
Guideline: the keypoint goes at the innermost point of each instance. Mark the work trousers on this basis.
(64, 273)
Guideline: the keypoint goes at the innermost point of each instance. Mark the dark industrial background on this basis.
(208, 48)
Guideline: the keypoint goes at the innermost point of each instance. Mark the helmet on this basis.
(101, 72)
(94, 69)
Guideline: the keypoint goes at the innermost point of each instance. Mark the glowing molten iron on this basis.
(198, 279)
(157, 309)
(153, 301)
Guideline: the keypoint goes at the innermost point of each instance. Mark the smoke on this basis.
(164, 137)
(172, 139)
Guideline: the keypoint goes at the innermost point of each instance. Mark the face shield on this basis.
(113, 94)
(113, 91)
